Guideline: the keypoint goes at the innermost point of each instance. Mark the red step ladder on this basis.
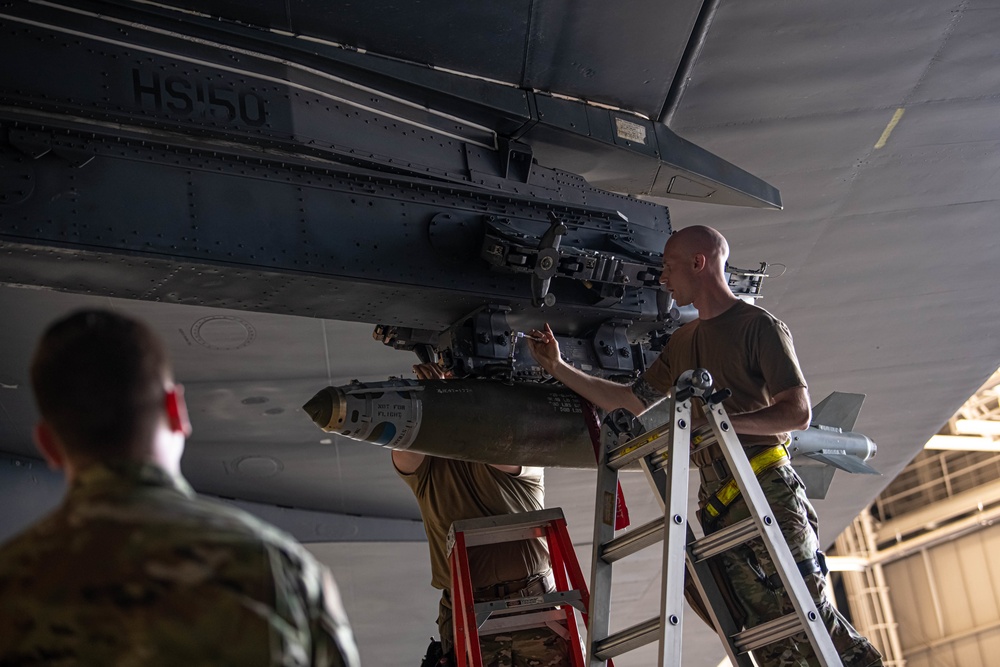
(474, 619)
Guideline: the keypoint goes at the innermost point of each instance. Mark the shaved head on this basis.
(694, 269)
(701, 240)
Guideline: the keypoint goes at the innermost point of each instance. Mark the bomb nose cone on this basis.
(325, 408)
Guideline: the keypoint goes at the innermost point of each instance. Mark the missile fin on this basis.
(839, 409)
(846, 462)
(817, 479)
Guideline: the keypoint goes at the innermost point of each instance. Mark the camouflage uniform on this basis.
(750, 352)
(534, 647)
(752, 576)
(133, 569)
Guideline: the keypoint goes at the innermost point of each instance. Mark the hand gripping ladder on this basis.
(473, 619)
(624, 443)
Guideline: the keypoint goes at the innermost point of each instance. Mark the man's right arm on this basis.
(603, 393)
(406, 462)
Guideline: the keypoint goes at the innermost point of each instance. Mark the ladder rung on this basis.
(633, 541)
(504, 528)
(628, 639)
(516, 520)
(500, 535)
(647, 443)
(521, 622)
(530, 603)
(725, 539)
(767, 633)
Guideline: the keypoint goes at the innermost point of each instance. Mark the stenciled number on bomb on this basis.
(202, 100)
(564, 403)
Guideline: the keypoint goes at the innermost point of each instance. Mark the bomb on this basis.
(470, 419)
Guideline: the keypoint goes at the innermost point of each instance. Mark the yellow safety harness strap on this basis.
(767, 459)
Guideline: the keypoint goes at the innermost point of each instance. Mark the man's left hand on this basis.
(431, 372)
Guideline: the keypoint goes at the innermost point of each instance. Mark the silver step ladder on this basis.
(624, 442)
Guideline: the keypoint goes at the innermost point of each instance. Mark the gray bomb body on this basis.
(472, 420)
(523, 424)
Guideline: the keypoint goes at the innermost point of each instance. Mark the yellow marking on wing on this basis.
(889, 128)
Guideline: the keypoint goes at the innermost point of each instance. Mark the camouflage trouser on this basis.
(749, 570)
(534, 647)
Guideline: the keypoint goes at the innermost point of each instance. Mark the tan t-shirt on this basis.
(449, 490)
(747, 350)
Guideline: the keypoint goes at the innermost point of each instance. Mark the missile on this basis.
(532, 424)
(830, 443)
